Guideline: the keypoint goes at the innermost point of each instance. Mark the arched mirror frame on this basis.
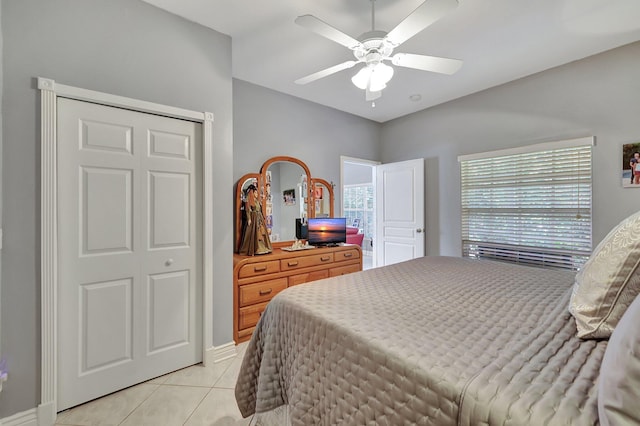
(308, 191)
(261, 179)
(329, 189)
(240, 204)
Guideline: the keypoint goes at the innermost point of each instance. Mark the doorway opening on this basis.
(358, 182)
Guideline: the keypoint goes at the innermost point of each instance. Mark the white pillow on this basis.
(608, 282)
(619, 381)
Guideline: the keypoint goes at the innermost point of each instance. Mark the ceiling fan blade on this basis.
(326, 72)
(320, 27)
(424, 15)
(427, 63)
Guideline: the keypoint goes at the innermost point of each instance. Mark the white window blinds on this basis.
(529, 205)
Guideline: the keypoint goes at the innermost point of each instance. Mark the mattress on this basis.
(432, 341)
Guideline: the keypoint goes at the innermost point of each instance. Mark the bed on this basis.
(452, 341)
(432, 341)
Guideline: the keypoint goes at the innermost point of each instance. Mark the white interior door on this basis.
(400, 232)
(130, 249)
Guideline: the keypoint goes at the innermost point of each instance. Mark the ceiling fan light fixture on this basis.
(375, 77)
(380, 76)
(361, 79)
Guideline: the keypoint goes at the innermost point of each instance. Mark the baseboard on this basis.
(47, 414)
(25, 418)
(220, 353)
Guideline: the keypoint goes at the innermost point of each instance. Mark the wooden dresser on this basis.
(256, 279)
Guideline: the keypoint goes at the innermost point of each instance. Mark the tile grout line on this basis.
(197, 406)
(210, 389)
(227, 369)
(140, 404)
(165, 384)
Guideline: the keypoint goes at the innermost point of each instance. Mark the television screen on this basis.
(327, 231)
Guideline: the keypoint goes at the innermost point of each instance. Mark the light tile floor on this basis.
(367, 260)
(193, 396)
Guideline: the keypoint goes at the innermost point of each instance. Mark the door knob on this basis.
(419, 230)
(168, 262)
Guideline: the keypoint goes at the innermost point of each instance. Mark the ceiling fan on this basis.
(374, 47)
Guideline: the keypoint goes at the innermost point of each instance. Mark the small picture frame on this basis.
(631, 165)
(317, 193)
(289, 197)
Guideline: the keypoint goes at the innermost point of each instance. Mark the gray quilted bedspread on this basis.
(432, 341)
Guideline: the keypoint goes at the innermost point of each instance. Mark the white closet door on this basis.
(130, 250)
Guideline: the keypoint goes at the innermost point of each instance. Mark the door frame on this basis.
(373, 164)
(49, 92)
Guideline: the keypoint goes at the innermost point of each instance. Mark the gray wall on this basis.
(596, 96)
(1, 85)
(267, 123)
(123, 47)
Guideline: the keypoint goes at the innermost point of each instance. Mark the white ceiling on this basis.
(498, 40)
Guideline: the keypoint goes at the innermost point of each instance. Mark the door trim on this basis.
(49, 92)
(344, 159)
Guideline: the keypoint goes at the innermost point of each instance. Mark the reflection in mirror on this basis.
(323, 198)
(285, 190)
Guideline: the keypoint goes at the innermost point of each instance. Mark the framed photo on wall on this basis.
(631, 165)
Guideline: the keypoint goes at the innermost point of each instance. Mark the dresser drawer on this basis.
(342, 270)
(259, 268)
(249, 316)
(251, 294)
(353, 253)
(305, 261)
(245, 334)
(308, 277)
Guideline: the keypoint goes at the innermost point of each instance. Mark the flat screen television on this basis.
(326, 231)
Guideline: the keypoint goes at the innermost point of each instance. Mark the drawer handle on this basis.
(265, 292)
(324, 259)
(294, 263)
(259, 268)
(348, 254)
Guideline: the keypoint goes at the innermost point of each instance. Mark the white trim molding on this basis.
(25, 418)
(220, 353)
(207, 252)
(526, 149)
(48, 248)
(49, 92)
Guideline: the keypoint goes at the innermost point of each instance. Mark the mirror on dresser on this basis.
(287, 191)
(286, 196)
(322, 197)
(243, 185)
(257, 279)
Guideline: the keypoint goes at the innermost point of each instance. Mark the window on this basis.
(358, 204)
(529, 205)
